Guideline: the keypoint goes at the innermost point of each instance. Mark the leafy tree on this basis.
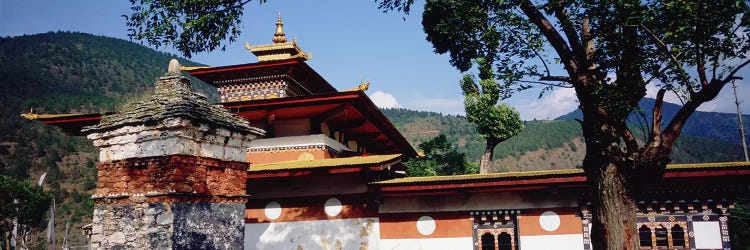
(441, 158)
(739, 221)
(24, 201)
(189, 26)
(495, 122)
(609, 51)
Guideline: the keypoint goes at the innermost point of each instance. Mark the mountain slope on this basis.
(714, 125)
(65, 72)
(542, 144)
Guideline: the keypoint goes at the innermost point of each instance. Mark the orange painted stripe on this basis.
(279, 156)
(528, 223)
(404, 226)
(309, 209)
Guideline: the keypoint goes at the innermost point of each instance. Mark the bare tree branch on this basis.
(674, 60)
(656, 115)
(569, 30)
(553, 36)
(737, 69)
(555, 78)
(548, 84)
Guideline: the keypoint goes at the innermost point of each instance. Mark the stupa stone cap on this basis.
(173, 98)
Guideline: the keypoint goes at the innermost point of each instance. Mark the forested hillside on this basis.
(66, 72)
(542, 144)
(719, 126)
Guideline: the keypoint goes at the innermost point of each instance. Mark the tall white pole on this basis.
(739, 118)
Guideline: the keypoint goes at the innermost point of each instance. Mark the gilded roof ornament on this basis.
(280, 49)
(279, 36)
(363, 86)
(30, 115)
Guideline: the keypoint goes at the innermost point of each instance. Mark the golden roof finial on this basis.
(30, 115)
(279, 36)
(363, 86)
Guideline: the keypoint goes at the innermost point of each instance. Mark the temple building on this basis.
(323, 169)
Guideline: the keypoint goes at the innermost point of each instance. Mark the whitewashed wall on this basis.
(433, 243)
(359, 233)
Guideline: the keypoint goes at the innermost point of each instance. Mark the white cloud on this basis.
(452, 106)
(559, 102)
(384, 100)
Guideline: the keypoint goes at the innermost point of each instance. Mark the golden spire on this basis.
(279, 36)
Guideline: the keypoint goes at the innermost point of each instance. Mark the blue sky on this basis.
(351, 41)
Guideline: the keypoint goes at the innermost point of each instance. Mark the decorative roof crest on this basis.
(280, 49)
(279, 36)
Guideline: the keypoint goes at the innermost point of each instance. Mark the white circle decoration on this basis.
(273, 210)
(426, 225)
(549, 221)
(333, 207)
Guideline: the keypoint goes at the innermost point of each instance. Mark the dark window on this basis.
(661, 236)
(504, 241)
(488, 241)
(678, 236)
(644, 236)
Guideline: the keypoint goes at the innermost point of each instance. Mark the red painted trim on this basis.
(56, 121)
(530, 183)
(197, 72)
(518, 182)
(707, 173)
(310, 100)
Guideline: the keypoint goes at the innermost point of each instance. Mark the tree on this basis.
(189, 26)
(609, 51)
(440, 158)
(24, 201)
(495, 122)
(633, 41)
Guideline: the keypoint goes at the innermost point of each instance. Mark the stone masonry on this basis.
(171, 173)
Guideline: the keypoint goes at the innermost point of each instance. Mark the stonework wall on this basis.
(132, 226)
(168, 226)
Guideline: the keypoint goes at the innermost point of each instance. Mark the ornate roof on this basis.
(280, 49)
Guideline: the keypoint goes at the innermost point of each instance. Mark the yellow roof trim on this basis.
(480, 176)
(32, 116)
(427, 179)
(324, 163)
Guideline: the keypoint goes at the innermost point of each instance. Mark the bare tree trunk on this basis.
(6, 235)
(739, 118)
(613, 211)
(484, 162)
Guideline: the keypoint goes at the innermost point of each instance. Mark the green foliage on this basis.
(739, 222)
(441, 158)
(23, 200)
(189, 26)
(496, 121)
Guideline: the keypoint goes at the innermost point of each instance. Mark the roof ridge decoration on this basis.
(280, 49)
(279, 36)
(173, 97)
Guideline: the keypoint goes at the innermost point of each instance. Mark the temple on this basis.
(289, 162)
